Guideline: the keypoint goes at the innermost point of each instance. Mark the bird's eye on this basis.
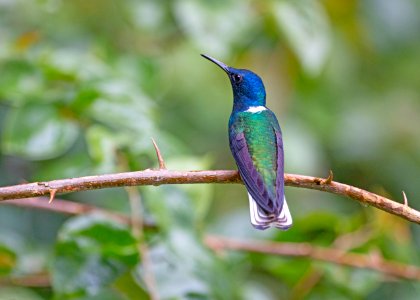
(237, 78)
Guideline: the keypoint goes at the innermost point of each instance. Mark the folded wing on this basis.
(268, 207)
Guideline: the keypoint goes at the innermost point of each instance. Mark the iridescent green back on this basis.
(259, 130)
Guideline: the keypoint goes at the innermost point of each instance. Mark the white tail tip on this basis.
(262, 221)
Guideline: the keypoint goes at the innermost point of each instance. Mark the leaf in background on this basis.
(200, 195)
(8, 260)
(123, 107)
(13, 247)
(255, 290)
(19, 80)
(303, 153)
(102, 148)
(18, 293)
(85, 96)
(127, 285)
(70, 65)
(148, 15)
(305, 25)
(185, 269)
(174, 276)
(184, 205)
(91, 252)
(182, 265)
(103, 294)
(37, 132)
(357, 282)
(214, 25)
(68, 166)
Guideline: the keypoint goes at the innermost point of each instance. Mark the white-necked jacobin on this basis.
(256, 143)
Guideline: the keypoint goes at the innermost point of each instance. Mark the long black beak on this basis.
(219, 63)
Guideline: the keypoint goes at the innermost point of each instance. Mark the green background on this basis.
(84, 85)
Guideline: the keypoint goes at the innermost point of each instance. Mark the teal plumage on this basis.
(261, 146)
(256, 143)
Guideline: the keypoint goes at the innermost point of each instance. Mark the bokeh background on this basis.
(84, 85)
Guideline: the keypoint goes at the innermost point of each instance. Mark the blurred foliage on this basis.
(90, 253)
(85, 84)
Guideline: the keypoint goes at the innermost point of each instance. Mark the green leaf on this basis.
(125, 108)
(183, 267)
(214, 25)
(102, 148)
(127, 285)
(8, 260)
(200, 195)
(358, 282)
(305, 25)
(14, 293)
(91, 252)
(65, 64)
(122, 106)
(175, 274)
(103, 294)
(38, 132)
(71, 165)
(19, 80)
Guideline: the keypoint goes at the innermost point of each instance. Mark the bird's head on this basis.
(246, 85)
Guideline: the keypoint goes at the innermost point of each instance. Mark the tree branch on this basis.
(158, 177)
(314, 274)
(336, 256)
(40, 280)
(217, 243)
(70, 208)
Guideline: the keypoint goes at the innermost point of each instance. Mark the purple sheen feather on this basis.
(280, 172)
(250, 175)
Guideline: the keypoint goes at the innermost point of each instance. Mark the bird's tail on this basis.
(261, 220)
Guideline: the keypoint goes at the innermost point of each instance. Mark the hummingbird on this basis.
(255, 140)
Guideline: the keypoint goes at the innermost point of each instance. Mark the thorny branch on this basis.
(218, 244)
(334, 255)
(162, 176)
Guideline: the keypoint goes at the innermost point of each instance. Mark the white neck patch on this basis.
(256, 109)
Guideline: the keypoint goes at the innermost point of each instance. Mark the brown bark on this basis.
(159, 177)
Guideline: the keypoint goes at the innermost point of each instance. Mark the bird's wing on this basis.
(258, 152)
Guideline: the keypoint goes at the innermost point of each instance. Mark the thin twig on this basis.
(136, 217)
(41, 280)
(311, 278)
(336, 256)
(70, 208)
(159, 177)
(306, 283)
(333, 255)
(136, 212)
(136, 208)
(61, 206)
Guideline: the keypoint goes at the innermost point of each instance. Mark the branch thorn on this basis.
(159, 156)
(52, 195)
(405, 199)
(329, 179)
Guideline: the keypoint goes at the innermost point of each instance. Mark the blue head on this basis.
(248, 88)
